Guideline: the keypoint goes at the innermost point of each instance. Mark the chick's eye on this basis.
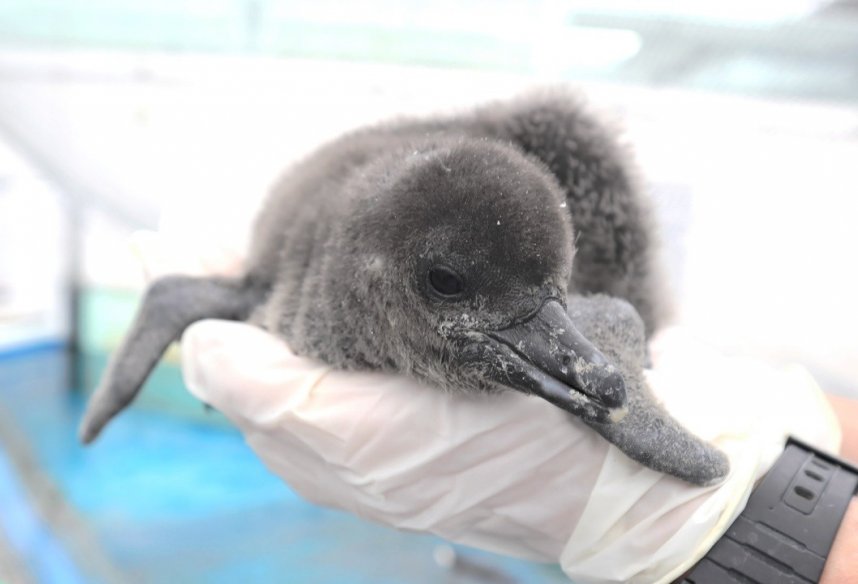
(445, 281)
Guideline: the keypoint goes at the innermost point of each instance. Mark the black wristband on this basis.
(785, 532)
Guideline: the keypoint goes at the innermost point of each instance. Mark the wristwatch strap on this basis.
(785, 532)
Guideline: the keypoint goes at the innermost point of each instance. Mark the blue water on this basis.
(160, 499)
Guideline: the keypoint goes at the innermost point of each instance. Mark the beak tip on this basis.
(617, 414)
(610, 389)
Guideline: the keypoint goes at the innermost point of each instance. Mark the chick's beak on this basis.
(547, 356)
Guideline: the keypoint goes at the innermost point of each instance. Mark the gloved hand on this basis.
(506, 473)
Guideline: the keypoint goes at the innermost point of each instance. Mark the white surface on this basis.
(33, 268)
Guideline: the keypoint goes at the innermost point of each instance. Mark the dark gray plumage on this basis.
(443, 249)
(647, 433)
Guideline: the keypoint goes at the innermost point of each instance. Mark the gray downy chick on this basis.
(441, 249)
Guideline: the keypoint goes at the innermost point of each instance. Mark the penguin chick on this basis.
(442, 257)
(441, 249)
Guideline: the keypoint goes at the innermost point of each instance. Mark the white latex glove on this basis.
(507, 473)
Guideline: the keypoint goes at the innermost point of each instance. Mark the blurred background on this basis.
(175, 115)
